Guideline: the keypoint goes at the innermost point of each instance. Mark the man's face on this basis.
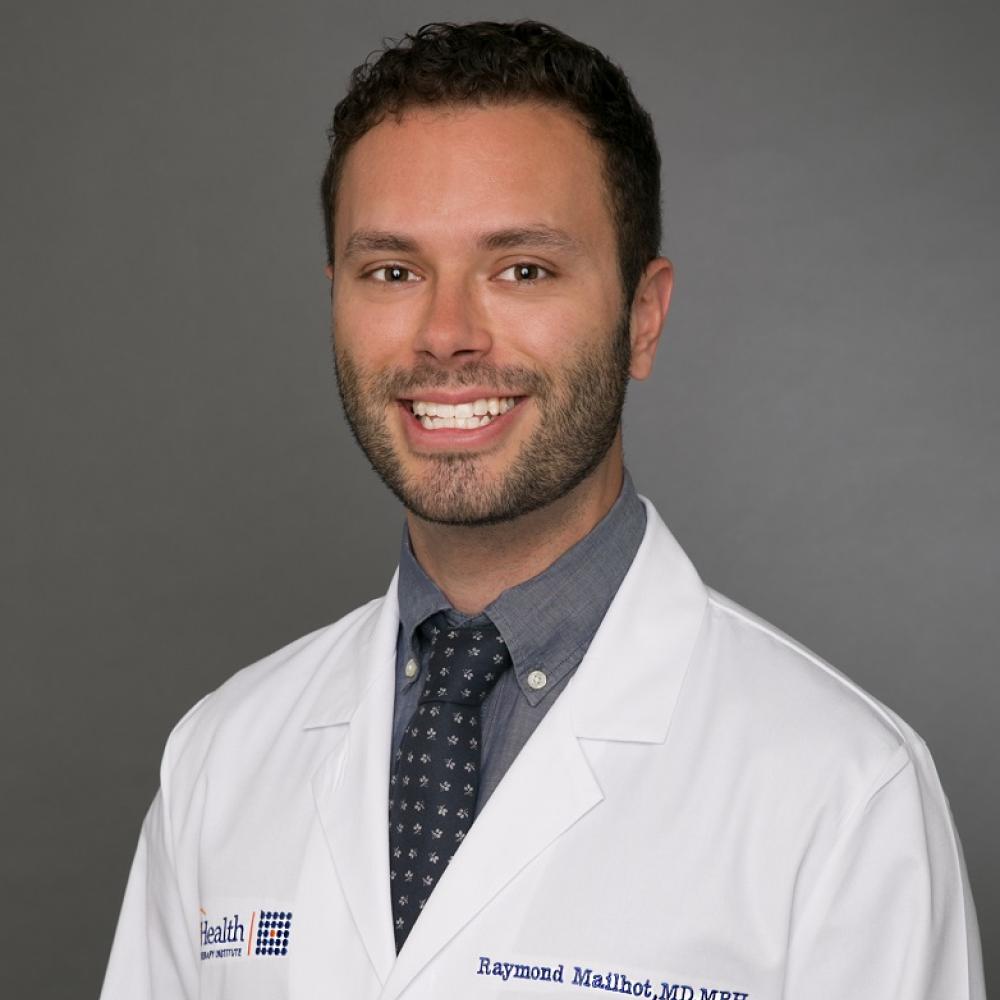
(480, 337)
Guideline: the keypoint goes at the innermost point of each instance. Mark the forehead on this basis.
(456, 170)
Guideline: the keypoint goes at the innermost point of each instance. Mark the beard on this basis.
(579, 415)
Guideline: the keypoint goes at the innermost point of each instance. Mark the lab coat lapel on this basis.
(547, 789)
(625, 689)
(351, 785)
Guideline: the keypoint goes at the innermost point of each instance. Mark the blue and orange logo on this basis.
(227, 937)
(274, 927)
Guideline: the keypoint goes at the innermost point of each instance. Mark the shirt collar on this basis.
(548, 621)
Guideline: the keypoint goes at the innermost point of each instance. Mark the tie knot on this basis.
(465, 662)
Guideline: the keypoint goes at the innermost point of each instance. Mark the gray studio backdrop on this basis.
(181, 497)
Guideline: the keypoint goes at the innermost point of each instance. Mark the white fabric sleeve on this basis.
(152, 957)
(155, 951)
(891, 913)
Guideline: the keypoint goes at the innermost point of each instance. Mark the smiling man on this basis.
(549, 759)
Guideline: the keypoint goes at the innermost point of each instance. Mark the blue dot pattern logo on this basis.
(273, 930)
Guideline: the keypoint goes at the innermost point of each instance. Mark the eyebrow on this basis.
(543, 237)
(374, 240)
(365, 241)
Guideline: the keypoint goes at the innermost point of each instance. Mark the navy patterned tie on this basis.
(432, 794)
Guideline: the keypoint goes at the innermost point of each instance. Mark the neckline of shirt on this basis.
(548, 621)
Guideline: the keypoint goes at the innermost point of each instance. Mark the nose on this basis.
(452, 326)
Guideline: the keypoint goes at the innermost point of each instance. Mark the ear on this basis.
(648, 314)
(328, 271)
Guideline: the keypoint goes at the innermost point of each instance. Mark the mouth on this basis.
(469, 415)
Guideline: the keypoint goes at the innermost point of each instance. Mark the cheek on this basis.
(559, 340)
(372, 336)
(537, 326)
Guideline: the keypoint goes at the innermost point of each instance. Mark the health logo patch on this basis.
(274, 928)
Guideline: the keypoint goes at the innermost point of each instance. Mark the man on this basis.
(549, 760)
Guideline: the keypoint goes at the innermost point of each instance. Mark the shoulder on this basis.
(752, 697)
(789, 716)
(792, 676)
(274, 694)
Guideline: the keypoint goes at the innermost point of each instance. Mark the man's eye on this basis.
(392, 274)
(524, 272)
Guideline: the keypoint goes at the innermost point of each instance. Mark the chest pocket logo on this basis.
(244, 933)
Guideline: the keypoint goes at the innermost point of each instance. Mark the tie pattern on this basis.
(435, 780)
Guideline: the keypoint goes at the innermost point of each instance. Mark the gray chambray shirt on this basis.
(547, 623)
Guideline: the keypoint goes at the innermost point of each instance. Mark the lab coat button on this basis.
(411, 668)
(537, 680)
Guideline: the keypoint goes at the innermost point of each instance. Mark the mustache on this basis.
(506, 380)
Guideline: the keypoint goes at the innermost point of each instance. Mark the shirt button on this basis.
(537, 680)
(411, 668)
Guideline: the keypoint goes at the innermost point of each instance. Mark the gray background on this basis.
(181, 496)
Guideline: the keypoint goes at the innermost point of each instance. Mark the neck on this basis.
(473, 565)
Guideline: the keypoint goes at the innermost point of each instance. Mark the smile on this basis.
(463, 416)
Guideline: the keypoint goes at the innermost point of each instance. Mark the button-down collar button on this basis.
(411, 668)
(537, 680)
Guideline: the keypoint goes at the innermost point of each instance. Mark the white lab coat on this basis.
(708, 812)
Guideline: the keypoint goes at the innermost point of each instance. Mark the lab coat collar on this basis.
(627, 684)
(643, 645)
(352, 664)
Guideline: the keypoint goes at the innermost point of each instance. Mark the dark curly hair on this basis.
(492, 63)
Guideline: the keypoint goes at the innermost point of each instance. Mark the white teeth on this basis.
(463, 423)
(462, 415)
